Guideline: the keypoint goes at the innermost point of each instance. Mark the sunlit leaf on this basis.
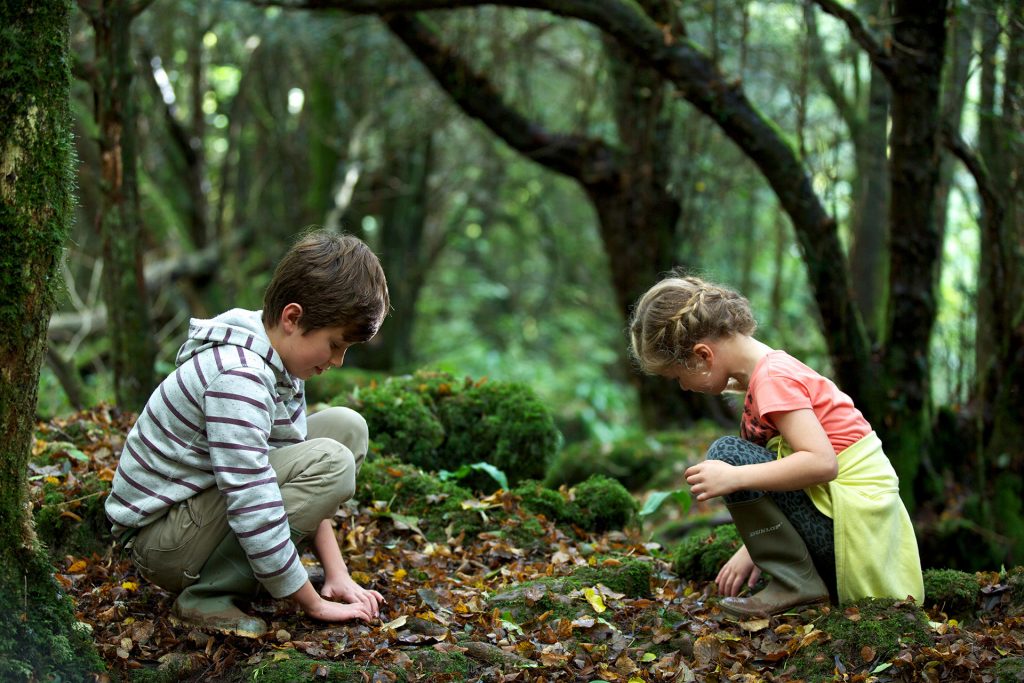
(655, 499)
(595, 599)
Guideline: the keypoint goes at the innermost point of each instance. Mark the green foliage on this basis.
(639, 461)
(436, 422)
(955, 592)
(1009, 670)
(602, 503)
(885, 626)
(40, 638)
(543, 501)
(623, 575)
(702, 553)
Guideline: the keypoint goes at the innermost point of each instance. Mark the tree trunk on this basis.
(918, 38)
(133, 349)
(400, 197)
(38, 639)
(1000, 322)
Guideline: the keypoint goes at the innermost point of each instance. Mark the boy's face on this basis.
(306, 354)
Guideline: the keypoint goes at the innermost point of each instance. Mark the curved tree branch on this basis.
(591, 161)
(698, 79)
(876, 52)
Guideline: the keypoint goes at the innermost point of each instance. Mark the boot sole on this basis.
(179, 622)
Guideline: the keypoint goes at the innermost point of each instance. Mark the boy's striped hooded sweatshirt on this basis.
(211, 422)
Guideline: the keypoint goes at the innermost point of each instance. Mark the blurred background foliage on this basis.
(254, 122)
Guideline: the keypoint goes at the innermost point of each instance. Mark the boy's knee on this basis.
(727, 449)
(345, 426)
(339, 464)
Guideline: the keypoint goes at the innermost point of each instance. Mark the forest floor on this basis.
(442, 622)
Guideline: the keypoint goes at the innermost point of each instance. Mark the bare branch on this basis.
(860, 32)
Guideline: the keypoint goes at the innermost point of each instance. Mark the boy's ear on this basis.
(291, 316)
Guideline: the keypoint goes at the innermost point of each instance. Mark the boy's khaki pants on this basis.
(315, 476)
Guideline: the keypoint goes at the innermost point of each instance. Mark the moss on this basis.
(40, 638)
(702, 553)
(440, 666)
(543, 501)
(602, 504)
(629, 576)
(288, 666)
(884, 625)
(410, 491)
(436, 422)
(335, 386)
(560, 596)
(1015, 580)
(77, 526)
(1009, 670)
(953, 591)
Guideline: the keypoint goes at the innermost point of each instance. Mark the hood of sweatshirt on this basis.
(237, 327)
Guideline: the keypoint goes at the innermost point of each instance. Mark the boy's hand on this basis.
(345, 589)
(320, 609)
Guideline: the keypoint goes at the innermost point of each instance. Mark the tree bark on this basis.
(119, 223)
(919, 36)
(35, 209)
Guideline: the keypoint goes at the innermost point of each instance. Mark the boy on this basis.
(222, 476)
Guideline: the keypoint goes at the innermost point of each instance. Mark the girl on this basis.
(810, 490)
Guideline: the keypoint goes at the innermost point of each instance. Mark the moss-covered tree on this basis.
(38, 634)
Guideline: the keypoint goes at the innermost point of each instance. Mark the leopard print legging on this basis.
(815, 527)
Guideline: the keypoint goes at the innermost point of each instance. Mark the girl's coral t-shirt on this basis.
(781, 383)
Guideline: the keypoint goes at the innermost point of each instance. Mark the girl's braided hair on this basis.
(677, 313)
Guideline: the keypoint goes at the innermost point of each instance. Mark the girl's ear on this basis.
(291, 315)
(704, 352)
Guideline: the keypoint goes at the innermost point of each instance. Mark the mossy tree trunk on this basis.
(38, 638)
(119, 223)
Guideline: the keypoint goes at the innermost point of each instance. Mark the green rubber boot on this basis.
(778, 549)
(209, 603)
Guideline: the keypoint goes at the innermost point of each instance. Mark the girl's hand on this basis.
(711, 478)
(739, 569)
(344, 589)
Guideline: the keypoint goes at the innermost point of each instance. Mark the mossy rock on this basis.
(436, 422)
(883, 625)
(439, 666)
(952, 591)
(602, 503)
(598, 504)
(702, 553)
(639, 461)
(562, 595)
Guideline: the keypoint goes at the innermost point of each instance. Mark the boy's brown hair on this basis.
(336, 279)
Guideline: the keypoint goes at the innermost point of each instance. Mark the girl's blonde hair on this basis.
(676, 314)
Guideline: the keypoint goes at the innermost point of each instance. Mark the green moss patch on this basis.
(951, 591)
(867, 632)
(702, 553)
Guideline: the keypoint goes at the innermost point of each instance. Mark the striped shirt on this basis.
(211, 422)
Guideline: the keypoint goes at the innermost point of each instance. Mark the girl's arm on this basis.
(813, 461)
